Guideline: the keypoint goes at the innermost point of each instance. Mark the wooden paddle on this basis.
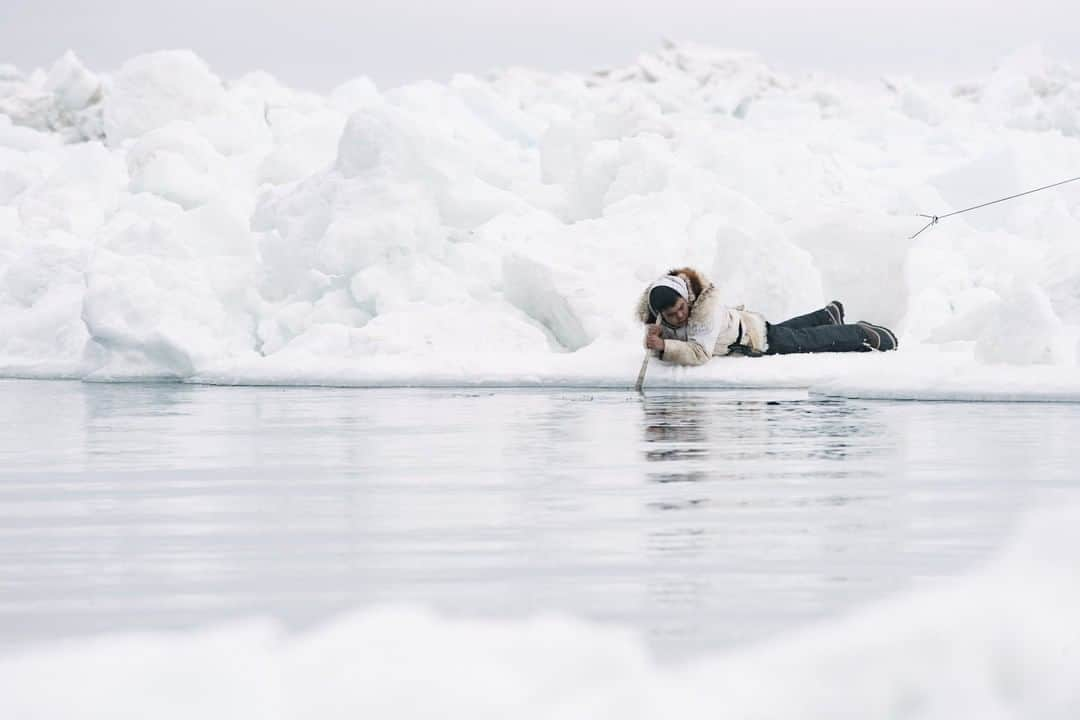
(644, 365)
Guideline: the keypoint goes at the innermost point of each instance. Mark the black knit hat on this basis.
(662, 297)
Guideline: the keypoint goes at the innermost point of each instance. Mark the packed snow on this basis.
(1002, 643)
(160, 222)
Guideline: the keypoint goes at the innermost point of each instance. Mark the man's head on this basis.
(669, 298)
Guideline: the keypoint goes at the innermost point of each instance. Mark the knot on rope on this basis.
(933, 221)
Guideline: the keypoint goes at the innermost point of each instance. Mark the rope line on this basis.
(935, 219)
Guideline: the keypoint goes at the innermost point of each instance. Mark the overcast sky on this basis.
(317, 44)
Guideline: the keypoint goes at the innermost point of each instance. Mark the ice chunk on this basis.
(153, 90)
(74, 86)
(156, 89)
(177, 163)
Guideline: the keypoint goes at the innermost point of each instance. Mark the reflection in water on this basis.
(680, 428)
(678, 442)
(677, 435)
(724, 457)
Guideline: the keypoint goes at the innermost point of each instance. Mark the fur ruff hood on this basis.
(698, 284)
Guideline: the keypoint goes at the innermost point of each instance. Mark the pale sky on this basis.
(317, 44)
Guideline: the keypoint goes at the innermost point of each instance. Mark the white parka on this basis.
(711, 329)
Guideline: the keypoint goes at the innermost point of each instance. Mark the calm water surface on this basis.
(704, 520)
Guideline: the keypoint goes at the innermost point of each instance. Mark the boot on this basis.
(836, 312)
(831, 314)
(878, 337)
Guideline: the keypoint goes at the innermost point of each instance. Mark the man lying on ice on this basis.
(694, 325)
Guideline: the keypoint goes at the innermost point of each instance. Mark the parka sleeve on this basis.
(702, 332)
(685, 352)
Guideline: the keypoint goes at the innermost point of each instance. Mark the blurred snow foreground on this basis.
(161, 223)
(1003, 643)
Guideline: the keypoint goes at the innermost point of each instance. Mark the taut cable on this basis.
(935, 219)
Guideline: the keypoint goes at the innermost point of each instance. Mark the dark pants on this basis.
(814, 332)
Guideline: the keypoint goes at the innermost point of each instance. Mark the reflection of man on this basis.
(694, 326)
(674, 431)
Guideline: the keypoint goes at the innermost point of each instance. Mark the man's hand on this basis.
(653, 341)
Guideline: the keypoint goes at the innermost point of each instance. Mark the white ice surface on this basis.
(160, 222)
(1002, 643)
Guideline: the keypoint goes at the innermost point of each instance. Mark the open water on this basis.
(703, 519)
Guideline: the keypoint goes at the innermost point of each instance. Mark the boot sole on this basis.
(878, 331)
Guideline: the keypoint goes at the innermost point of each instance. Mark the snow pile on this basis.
(999, 644)
(161, 222)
